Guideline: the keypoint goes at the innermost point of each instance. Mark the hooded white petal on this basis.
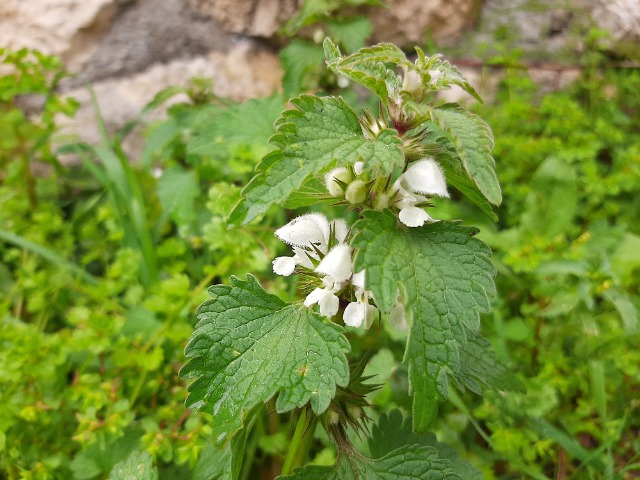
(337, 263)
(369, 316)
(329, 304)
(358, 279)
(284, 265)
(354, 314)
(302, 257)
(414, 216)
(425, 176)
(314, 297)
(358, 168)
(412, 81)
(312, 228)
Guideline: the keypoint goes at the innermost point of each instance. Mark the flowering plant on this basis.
(395, 264)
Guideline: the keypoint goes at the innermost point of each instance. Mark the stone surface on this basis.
(411, 22)
(256, 18)
(245, 71)
(71, 29)
(148, 32)
(621, 18)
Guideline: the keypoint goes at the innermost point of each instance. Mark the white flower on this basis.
(414, 216)
(358, 168)
(306, 230)
(325, 297)
(307, 235)
(360, 311)
(422, 177)
(412, 81)
(337, 263)
(435, 75)
(425, 176)
(284, 265)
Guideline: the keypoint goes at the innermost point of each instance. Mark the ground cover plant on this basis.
(105, 261)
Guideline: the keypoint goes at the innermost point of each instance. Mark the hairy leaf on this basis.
(317, 135)
(367, 67)
(444, 277)
(406, 463)
(447, 74)
(393, 431)
(472, 139)
(249, 345)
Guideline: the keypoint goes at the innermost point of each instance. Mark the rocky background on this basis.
(130, 49)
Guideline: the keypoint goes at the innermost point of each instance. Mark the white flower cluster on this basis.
(310, 237)
(423, 177)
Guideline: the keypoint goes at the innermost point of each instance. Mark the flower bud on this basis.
(412, 82)
(334, 178)
(356, 192)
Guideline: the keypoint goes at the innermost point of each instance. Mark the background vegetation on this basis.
(104, 259)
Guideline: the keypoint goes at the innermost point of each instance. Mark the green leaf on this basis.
(299, 60)
(213, 463)
(317, 135)
(393, 431)
(313, 192)
(458, 179)
(100, 459)
(625, 307)
(480, 369)
(138, 466)
(249, 345)
(350, 32)
(449, 75)
(178, 189)
(248, 123)
(367, 67)
(554, 183)
(445, 278)
(405, 463)
(472, 140)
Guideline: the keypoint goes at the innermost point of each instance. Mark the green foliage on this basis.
(139, 466)
(323, 132)
(406, 462)
(92, 344)
(393, 431)
(473, 141)
(249, 345)
(567, 294)
(443, 277)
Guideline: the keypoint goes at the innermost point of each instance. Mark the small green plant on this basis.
(395, 264)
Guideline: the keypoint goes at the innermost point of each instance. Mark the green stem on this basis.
(301, 441)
